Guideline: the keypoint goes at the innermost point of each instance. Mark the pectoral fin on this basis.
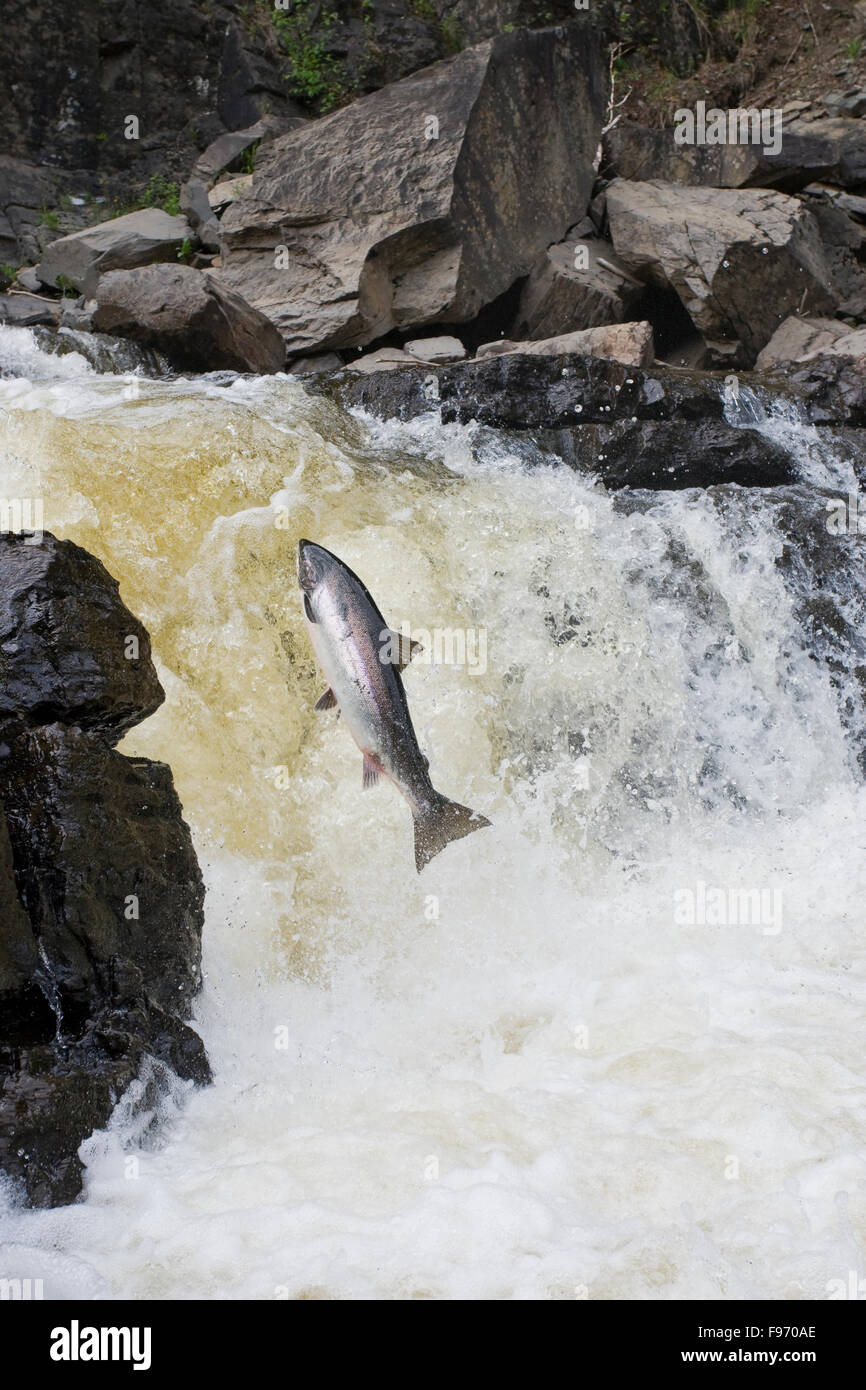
(326, 701)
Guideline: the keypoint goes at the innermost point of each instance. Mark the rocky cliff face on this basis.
(101, 898)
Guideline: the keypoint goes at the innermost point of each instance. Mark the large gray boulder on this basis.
(830, 148)
(741, 260)
(198, 323)
(637, 152)
(562, 295)
(423, 202)
(138, 238)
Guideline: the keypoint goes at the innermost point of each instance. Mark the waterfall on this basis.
(589, 1052)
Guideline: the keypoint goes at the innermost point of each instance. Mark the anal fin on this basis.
(326, 700)
(371, 771)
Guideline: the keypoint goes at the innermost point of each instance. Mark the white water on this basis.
(552, 1088)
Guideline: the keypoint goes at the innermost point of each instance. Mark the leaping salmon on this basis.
(356, 649)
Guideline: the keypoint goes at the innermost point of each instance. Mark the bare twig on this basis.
(808, 14)
(30, 295)
(618, 272)
(793, 51)
(616, 52)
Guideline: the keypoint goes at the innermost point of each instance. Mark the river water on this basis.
(548, 1067)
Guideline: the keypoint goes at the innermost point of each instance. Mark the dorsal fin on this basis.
(398, 643)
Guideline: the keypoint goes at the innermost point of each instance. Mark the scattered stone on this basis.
(831, 149)
(798, 339)
(845, 103)
(77, 314)
(828, 148)
(25, 192)
(830, 388)
(384, 360)
(848, 202)
(226, 152)
(638, 153)
(29, 280)
(229, 190)
(851, 344)
(320, 362)
(195, 206)
(436, 349)
(630, 343)
(63, 630)
(842, 239)
(137, 239)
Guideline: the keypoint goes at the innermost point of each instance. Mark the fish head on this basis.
(316, 566)
(317, 569)
(314, 563)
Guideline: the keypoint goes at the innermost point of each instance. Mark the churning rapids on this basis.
(521, 1074)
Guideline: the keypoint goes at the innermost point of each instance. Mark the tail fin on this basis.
(440, 822)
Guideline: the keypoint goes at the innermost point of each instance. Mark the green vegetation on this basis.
(66, 287)
(663, 90)
(248, 158)
(50, 219)
(184, 251)
(162, 193)
(316, 76)
(452, 34)
(7, 276)
(852, 49)
(745, 20)
(249, 19)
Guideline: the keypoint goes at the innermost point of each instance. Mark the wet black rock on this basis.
(822, 564)
(832, 389)
(669, 455)
(516, 391)
(64, 633)
(101, 897)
